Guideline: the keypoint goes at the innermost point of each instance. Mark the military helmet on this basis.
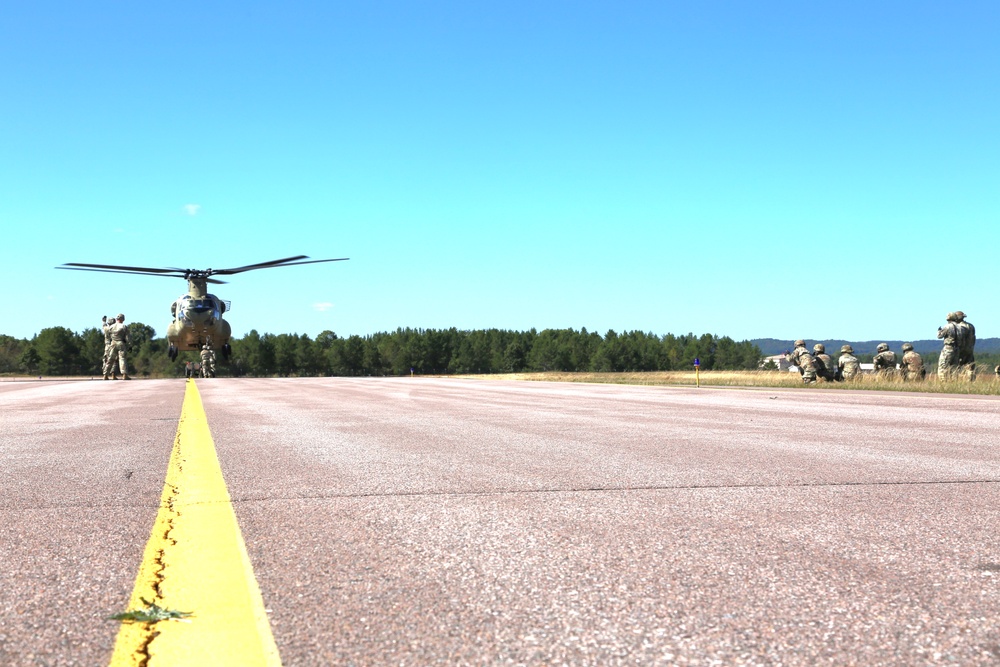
(847, 349)
(819, 347)
(800, 343)
(882, 347)
(907, 347)
(959, 315)
(950, 317)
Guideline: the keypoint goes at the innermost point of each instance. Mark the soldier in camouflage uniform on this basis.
(801, 358)
(948, 361)
(120, 341)
(848, 364)
(110, 366)
(966, 346)
(207, 362)
(913, 364)
(825, 367)
(105, 331)
(885, 360)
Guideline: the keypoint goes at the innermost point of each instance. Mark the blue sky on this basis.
(772, 169)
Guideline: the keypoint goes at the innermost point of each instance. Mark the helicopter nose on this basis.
(199, 314)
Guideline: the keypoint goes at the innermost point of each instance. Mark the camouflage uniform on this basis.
(825, 367)
(948, 361)
(885, 361)
(207, 362)
(966, 346)
(848, 364)
(120, 340)
(109, 367)
(913, 364)
(806, 364)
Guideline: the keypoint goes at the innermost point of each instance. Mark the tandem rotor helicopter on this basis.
(197, 314)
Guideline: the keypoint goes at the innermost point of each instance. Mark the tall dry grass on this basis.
(984, 384)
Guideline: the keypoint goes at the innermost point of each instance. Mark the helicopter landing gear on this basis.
(226, 351)
(172, 352)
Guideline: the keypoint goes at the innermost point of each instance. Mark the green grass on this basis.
(985, 384)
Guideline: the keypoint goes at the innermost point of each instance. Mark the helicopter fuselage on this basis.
(198, 320)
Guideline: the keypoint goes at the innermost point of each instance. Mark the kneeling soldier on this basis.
(913, 365)
(800, 357)
(848, 364)
(824, 363)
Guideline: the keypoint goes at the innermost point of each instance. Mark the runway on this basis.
(418, 521)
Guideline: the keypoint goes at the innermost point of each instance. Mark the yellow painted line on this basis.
(196, 561)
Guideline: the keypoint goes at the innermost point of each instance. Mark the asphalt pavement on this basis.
(416, 521)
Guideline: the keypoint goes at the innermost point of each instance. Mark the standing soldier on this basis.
(848, 364)
(207, 362)
(824, 363)
(119, 346)
(913, 364)
(949, 335)
(885, 360)
(800, 357)
(966, 346)
(110, 366)
(107, 345)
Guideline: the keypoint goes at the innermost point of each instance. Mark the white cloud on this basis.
(192, 209)
(323, 306)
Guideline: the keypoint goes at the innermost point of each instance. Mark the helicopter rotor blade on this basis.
(119, 269)
(194, 274)
(281, 262)
(261, 265)
(313, 261)
(135, 272)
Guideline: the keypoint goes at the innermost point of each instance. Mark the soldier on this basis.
(966, 346)
(948, 361)
(824, 363)
(107, 344)
(120, 341)
(110, 366)
(800, 357)
(885, 360)
(848, 364)
(207, 362)
(966, 339)
(913, 364)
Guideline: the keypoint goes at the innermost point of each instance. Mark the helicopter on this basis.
(197, 315)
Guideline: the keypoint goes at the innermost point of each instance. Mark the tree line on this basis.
(59, 351)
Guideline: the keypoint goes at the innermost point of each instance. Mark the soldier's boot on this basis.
(107, 377)
(126, 377)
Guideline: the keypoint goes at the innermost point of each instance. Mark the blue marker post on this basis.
(697, 378)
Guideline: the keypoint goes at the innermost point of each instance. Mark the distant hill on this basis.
(771, 346)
